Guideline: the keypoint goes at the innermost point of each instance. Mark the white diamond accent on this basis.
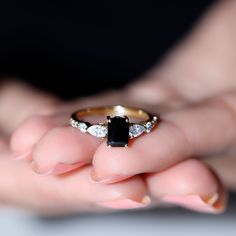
(154, 119)
(135, 130)
(148, 126)
(98, 131)
(74, 123)
(82, 127)
(78, 125)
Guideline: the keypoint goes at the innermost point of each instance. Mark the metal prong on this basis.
(108, 119)
(126, 119)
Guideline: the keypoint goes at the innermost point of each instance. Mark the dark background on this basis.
(78, 47)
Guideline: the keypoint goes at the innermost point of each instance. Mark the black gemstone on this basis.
(118, 132)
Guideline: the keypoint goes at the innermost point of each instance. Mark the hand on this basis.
(57, 148)
(168, 170)
(70, 193)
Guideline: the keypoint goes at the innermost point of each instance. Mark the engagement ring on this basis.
(117, 129)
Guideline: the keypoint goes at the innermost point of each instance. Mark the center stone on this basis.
(118, 131)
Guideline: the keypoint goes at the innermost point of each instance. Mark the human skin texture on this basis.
(50, 168)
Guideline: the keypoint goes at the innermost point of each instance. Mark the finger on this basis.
(31, 131)
(71, 193)
(19, 101)
(33, 128)
(63, 149)
(202, 129)
(189, 184)
(51, 155)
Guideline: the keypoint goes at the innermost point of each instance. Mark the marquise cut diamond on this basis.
(135, 130)
(97, 131)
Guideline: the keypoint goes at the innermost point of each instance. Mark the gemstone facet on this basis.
(149, 126)
(98, 131)
(118, 131)
(82, 127)
(79, 125)
(135, 130)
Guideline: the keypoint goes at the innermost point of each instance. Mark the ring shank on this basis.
(114, 111)
(117, 128)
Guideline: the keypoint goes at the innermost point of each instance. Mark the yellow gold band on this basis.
(117, 129)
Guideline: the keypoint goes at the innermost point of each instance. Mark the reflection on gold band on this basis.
(114, 111)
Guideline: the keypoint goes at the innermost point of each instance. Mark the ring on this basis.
(118, 129)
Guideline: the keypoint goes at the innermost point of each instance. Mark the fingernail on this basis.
(108, 180)
(211, 204)
(59, 168)
(25, 155)
(126, 203)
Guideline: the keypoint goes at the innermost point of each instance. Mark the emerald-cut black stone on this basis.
(118, 132)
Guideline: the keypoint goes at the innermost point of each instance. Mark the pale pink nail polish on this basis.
(197, 203)
(108, 180)
(59, 168)
(126, 203)
(25, 155)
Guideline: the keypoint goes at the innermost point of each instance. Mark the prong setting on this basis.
(108, 119)
(117, 130)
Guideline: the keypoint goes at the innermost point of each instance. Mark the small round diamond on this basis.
(82, 127)
(148, 126)
(74, 123)
(155, 118)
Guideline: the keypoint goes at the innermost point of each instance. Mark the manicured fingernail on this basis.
(211, 204)
(59, 168)
(25, 155)
(108, 180)
(126, 203)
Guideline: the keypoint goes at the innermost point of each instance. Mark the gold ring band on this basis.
(118, 129)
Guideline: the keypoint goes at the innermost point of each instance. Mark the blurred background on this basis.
(53, 44)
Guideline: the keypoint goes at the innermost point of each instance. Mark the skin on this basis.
(186, 161)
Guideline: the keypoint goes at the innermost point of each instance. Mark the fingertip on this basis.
(189, 184)
(188, 177)
(29, 133)
(63, 148)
